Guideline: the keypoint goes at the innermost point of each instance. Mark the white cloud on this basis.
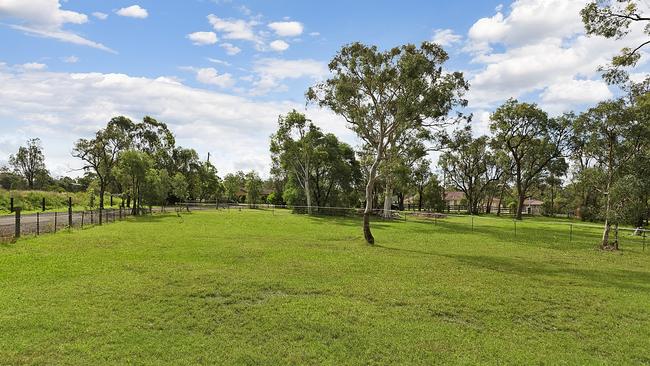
(231, 49)
(542, 50)
(70, 59)
(287, 29)
(279, 45)
(445, 37)
(63, 107)
(234, 28)
(563, 96)
(99, 15)
(314, 34)
(45, 18)
(210, 76)
(34, 66)
(219, 62)
(133, 11)
(271, 72)
(202, 38)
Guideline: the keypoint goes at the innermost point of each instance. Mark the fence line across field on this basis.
(518, 226)
(13, 226)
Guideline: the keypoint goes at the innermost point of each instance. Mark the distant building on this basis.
(453, 199)
(533, 207)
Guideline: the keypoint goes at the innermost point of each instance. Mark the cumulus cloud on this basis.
(279, 45)
(538, 48)
(33, 66)
(445, 37)
(62, 107)
(70, 59)
(271, 72)
(230, 48)
(45, 18)
(287, 29)
(236, 29)
(133, 11)
(99, 15)
(211, 76)
(202, 38)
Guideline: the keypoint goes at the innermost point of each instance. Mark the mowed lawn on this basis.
(253, 287)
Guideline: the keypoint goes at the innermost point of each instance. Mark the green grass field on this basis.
(251, 287)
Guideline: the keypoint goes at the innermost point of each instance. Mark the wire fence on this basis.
(17, 225)
(544, 231)
(533, 229)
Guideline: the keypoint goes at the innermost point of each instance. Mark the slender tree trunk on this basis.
(520, 205)
(420, 193)
(608, 225)
(388, 201)
(367, 234)
(307, 191)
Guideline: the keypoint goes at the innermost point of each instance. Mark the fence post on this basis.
(17, 224)
(83, 214)
(515, 221)
(92, 217)
(472, 216)
(38, 223)
(100, 215)
(571, 233)
(43, 204)
(120, 213)
(55, 220)
(11, 205)
(69, 213)
(644, 232)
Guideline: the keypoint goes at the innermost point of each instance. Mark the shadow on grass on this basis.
(620, 278)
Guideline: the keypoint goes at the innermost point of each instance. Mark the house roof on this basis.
(533, 202)
(454, 196)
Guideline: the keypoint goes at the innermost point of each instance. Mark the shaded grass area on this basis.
(253, 287)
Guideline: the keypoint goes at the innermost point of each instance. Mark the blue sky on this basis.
(219, 72)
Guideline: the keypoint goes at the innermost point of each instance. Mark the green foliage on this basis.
(254, 185)
(534, 142)
(29, 162)
(180, 187)
(389, 95)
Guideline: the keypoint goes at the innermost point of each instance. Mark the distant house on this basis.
(533, 207)
(453, 199)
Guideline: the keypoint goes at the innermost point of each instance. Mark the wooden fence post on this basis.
(55, 220)
(38, 224)
(69, 213)
(17, 224)
(11, 204)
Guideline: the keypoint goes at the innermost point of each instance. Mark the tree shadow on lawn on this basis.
(627, 279)
(541, 237)
(350, 221)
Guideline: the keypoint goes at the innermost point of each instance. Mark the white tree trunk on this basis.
(388, 201)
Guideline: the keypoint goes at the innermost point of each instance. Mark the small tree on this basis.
(470, 166)
(253, 188)
(180, 187)
(132, 172)
(29, 161)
